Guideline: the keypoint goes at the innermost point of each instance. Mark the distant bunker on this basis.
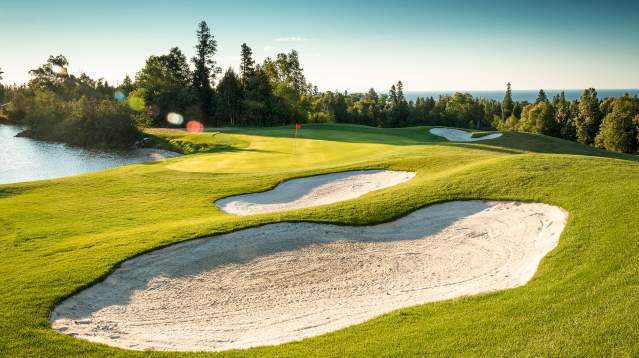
(313, 191)
(456, 135)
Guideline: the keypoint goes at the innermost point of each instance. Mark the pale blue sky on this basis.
(429, 45)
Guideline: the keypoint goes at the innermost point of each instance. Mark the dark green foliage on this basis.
(127, 85)
(205, 69)
(564, 116)
(59, 106)
(541, 97)
(229, 98)
(619, 128)
(166, 84)
(247, 65)
(539, 118)
(589, 118)
(397, 110)
(507, 104)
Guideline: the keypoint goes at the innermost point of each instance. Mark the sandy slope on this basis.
(313, 191)
(456, 135)
(286, 281)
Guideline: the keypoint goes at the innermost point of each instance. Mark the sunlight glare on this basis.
(119, 96)
(194, 126)
(175, 118)
(136, 103)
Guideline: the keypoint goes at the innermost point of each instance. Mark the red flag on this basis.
(298, 126)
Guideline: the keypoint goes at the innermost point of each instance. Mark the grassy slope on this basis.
(58, 236)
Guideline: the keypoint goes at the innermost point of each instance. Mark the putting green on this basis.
(59, 236)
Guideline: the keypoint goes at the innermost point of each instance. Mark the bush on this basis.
(87, 122)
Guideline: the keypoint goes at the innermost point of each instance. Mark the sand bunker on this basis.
(286, 281)
(313, 191)
(456, 135)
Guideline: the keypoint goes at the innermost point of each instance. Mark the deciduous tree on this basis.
(619, 128)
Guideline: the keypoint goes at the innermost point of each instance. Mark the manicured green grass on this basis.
(58, 236)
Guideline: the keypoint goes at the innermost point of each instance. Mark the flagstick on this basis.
(295, 142)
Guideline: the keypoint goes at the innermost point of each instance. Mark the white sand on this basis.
(313, 191)
(286, 281)
(456, 135)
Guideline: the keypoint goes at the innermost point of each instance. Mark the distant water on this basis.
(523, 95)
(25, 159)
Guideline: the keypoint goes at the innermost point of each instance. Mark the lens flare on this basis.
(175, 118)
(136, 103)
(194, 126)
(119, 96)
(59, 70)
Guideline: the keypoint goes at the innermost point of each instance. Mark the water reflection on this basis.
(24, 159)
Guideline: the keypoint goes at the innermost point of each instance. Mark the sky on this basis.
(343, 45)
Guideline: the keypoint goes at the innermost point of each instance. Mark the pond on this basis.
(24, 159)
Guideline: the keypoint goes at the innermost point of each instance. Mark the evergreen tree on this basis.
(247, 65)
(372, 95)
(507, 105)
(403, 110)
(541, 97)
(1, 73)
(229, 99)
(260, 105)
(400, 92)
(205, 69)
(564, 116)
(127, 85)
(392, 95)
(589, 118)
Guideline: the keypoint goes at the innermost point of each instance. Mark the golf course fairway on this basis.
(60, 236)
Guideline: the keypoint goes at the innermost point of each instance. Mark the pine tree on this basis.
(205, 69)
(403, 110)
(260, 106)
(564, 116)
(541, 97)
(507, 104)
(1, 72)
(400, 92)
(296, 73)
(127, 85)
(229, 99)
(589, 118)
(393, 96)
(247, 65)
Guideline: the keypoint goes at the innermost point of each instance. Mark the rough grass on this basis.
(58, 236)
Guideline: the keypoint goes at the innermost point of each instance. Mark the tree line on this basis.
(170, 90)
(611, 123)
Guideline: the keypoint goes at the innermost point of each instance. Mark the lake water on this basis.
(523, 95)
(25, 159)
